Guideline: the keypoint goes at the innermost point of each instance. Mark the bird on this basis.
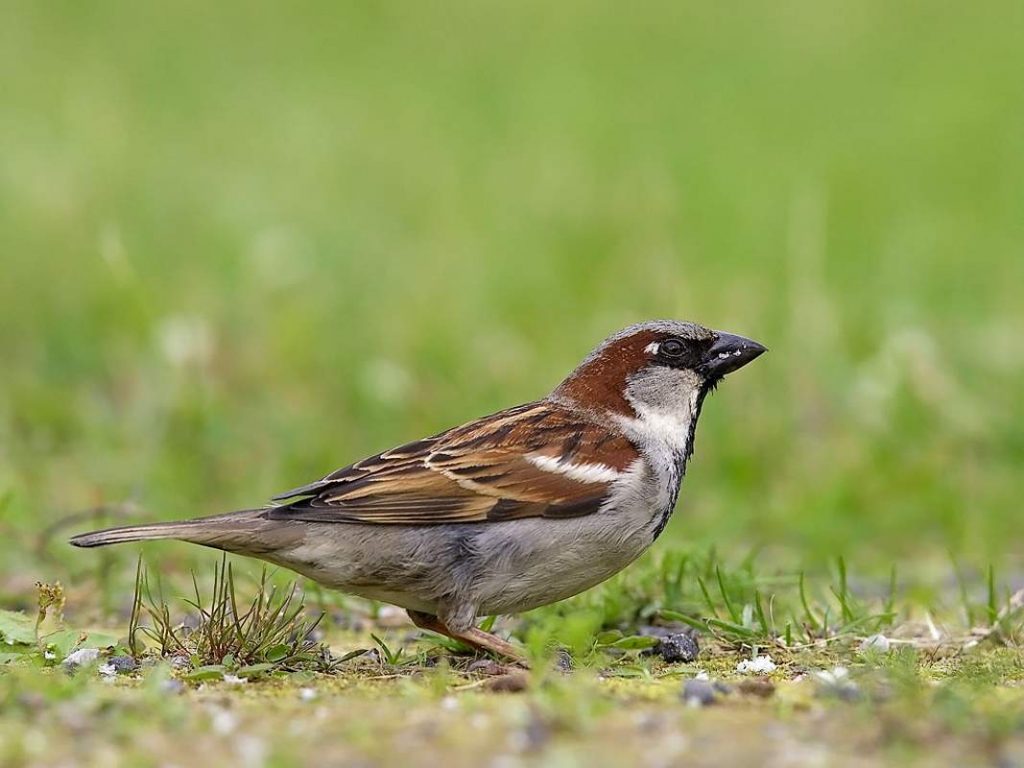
(509, 512)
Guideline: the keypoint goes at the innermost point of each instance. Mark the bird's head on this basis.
(658, 371)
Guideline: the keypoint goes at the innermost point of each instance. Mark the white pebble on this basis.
(878, 643)
(836, 677)
(759, 665)
(81, 656)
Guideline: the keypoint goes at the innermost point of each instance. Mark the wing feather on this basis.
(530, 461)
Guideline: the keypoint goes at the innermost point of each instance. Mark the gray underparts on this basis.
(460, 571)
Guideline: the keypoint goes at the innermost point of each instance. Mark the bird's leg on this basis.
(474, 637)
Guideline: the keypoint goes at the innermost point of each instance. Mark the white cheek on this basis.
(671, 429)
(665, 407)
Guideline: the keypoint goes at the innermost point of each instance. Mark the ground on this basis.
(384, 719)
(367, 688)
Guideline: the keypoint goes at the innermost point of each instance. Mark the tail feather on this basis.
(203, 530)
(127, 533)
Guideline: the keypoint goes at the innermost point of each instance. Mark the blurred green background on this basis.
(243, 244)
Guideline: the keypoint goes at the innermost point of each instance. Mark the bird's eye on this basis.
(671, 348)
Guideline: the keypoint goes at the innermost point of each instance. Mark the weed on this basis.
(51, 600)
(269, 633)
(390, 657)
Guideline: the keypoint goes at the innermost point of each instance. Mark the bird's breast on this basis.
(648, 493)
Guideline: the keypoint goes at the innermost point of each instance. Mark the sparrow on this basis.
(512, 511)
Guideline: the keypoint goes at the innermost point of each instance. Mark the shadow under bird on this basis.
(515, 510)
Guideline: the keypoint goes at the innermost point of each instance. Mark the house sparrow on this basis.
(515, 510)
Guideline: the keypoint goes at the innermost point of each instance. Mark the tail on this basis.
(216, 531)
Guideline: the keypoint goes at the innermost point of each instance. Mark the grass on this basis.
(271, 633)
(244, 246)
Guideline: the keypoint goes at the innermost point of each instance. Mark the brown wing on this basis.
(537, 460)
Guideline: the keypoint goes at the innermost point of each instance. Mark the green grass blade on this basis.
(736, 617)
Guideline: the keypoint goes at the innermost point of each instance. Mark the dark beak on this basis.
(729, 353)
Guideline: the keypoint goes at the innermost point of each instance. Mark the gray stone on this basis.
(680, 648)
(122, 664)
(699, 693)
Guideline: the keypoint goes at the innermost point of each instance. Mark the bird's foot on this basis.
(473, 637)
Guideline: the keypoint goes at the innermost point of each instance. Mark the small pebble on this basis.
(80, 657)
(878, 643)
(511, 683)
(678, 648)
(759, 665)
(123, 664)
(699, 693)
(307, 694)
(833, 677)
(837, 684)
